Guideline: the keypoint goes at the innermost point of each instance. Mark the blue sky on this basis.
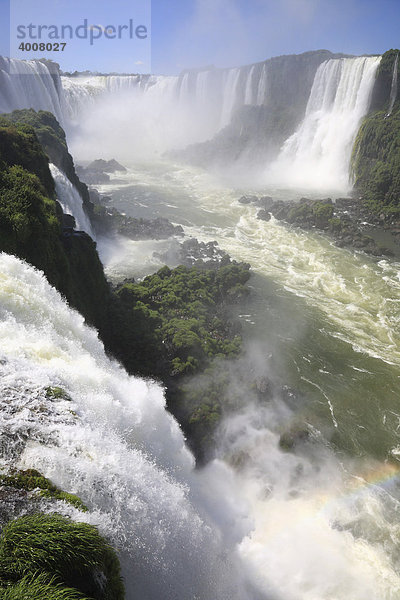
(194, 33)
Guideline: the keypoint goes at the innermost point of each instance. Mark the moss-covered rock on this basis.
(182, 315)
(31, 479)
(383, 82)
(31, 225)
(376, 161)
(53, 141)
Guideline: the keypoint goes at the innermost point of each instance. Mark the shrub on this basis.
(59, 550)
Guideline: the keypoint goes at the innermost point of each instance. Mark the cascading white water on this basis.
(318, 154)
(262, 86)
(248, 95)
(29, 84)
(230, 85)
(393, 89)
(173, 112)
(113, 444)
(71, 200)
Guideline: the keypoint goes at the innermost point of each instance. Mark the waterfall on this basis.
(318, 153)
(262, 86)
(71, 200)
(202, 87)
(113, 443)
(159, 113)
(248, 95)
(393, 90)
(230, 85)
(30, 84)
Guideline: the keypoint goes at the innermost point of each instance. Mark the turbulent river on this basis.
(325, 320)
(257, 523)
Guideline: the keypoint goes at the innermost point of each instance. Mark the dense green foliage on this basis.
(30, 225)
(40, 587)
(49, 551)
(376, 161)
(383, 83)
(171, 324)
(376, 152)
(52, 138)
(182, 315)
(33, 480)
(182, 320)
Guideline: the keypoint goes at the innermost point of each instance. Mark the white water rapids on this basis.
(257, 523)
(114, 444)
(303, 527)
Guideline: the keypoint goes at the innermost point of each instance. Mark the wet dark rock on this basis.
(97, 171)
(106, 166)
(248, 199)
(192, 253)
(264, 215)
(265, 202)
(68, 221)
(91, 177)
(290, 439)
(345, 220)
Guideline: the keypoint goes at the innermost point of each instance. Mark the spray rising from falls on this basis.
(318, 154)
(160, 113)
(113, 443)
(393, 90)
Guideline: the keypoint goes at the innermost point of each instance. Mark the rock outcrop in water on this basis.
(98, 171)
(107, 220)
(343, 220)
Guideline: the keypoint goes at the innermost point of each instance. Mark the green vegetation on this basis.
(376, 152)
(30, 225)
(39, 587)
(172, 324)
(311, 212)
(52, 139)
(56, 393)
(376, 161)
(381, 92)
(182, 319)
(182, 315)
(33, 480)
(50, 556)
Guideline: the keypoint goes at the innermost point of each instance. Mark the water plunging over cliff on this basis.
(113, 443)
(71, 200)
(393, 90)
(30, 84)
(318, 154)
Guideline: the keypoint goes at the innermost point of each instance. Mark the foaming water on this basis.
(113, 443)
(358, 295)
(70, 200)
(317, 155)
(316, 535)
(295, 525)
